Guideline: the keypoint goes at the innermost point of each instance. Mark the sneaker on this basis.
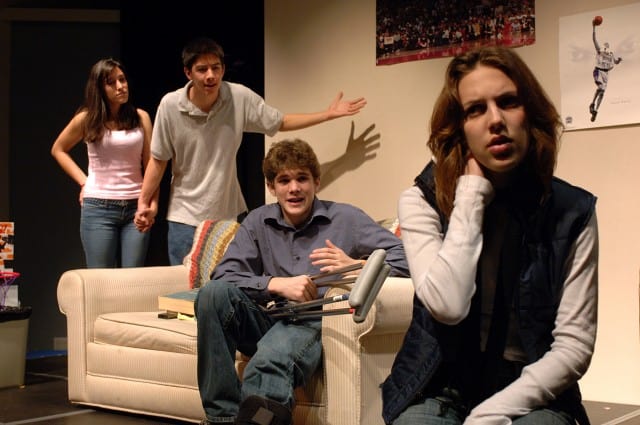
(255, 410)
(593, 115)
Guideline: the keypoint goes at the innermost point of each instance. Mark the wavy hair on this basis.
(96, 103)
(447, 141)
(288, 155)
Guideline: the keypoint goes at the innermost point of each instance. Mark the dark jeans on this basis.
(109, 236)
(180, 241)
(284, 355)
(440, 411)
(445, 406)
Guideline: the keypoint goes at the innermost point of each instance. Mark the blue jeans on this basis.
(434, 412)
(180, 241)
(284, 355)
(109, 236)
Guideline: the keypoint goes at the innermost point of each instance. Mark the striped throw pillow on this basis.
(210, 242)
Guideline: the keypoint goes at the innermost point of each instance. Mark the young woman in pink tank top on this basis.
(117, 135)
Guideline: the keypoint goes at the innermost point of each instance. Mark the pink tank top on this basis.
(115, 165)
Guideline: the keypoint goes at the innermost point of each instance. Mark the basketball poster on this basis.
(599, 67)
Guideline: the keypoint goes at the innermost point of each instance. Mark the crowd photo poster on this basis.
(411, 30)
(599, 68)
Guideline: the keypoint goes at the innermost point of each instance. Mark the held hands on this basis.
(341, 108)
(331, 258)
(144, 219)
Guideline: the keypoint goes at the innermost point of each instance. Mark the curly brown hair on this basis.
(447, 140)
(288, 155)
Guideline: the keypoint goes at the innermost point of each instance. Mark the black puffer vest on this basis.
(432, 353)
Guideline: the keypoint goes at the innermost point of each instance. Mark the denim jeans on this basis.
(284, 354)
(180, 241)
(436, 412)
(109, 236)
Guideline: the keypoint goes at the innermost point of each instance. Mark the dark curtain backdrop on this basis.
(50, 62)
(152, 52)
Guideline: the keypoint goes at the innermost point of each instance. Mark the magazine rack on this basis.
(6, 279)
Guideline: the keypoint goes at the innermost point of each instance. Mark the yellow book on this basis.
(179, 302)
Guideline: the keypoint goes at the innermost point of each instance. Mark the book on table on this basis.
(178, 302)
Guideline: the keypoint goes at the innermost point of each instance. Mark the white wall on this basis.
(314, 48)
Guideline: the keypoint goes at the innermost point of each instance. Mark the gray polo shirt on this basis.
(202, 148)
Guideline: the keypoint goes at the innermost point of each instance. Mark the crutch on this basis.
(364, 292)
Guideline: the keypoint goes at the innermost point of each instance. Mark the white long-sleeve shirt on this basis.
(443, 271)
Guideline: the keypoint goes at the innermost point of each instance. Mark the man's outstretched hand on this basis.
(341, 108)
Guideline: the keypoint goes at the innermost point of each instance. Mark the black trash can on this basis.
(14, 329)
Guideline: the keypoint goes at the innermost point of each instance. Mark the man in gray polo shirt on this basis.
(199, 128)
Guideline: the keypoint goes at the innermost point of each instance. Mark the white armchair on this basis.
(123, 357)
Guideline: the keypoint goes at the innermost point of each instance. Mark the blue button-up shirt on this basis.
(265, 246)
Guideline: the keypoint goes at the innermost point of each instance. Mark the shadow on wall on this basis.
(359, 150)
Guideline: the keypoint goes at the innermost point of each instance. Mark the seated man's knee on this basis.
(212, 295)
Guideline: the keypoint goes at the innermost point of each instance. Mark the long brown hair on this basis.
(96, 103)
(447, 140)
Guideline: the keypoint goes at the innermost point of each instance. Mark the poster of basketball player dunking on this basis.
(600, 68)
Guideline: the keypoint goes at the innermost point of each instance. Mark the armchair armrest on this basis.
(89, 293)
(85, 294)
(358, 356)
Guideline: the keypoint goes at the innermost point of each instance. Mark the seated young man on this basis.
(274, 252)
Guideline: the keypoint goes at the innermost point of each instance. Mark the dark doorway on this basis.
(50, 62)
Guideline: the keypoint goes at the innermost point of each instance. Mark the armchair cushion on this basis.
(144, 330)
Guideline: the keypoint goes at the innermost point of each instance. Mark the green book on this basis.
(179, 302)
